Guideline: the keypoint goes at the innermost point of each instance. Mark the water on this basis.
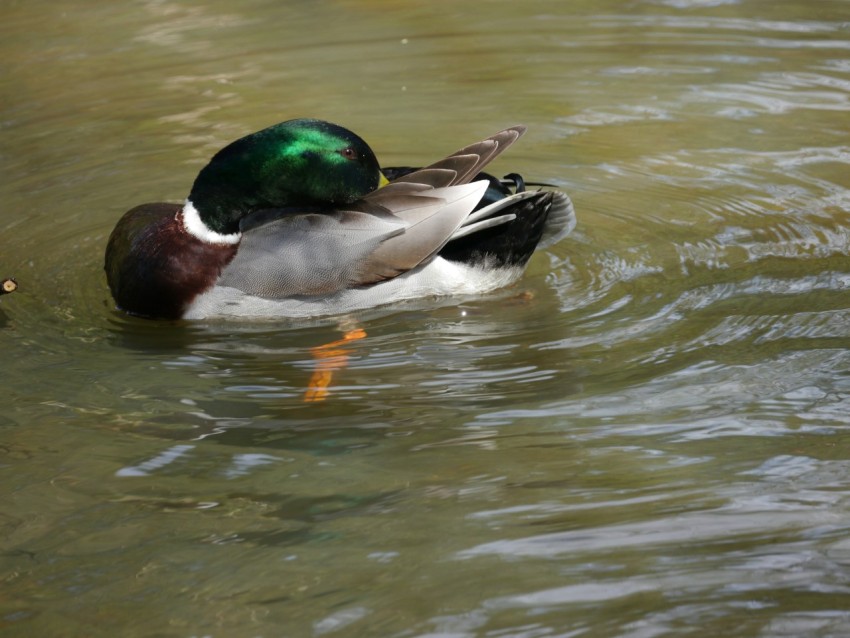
(646, 437)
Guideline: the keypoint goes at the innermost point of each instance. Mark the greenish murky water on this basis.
(648, 436)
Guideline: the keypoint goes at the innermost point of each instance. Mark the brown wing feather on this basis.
(461, 166)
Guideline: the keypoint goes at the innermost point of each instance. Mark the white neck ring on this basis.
(195, 226)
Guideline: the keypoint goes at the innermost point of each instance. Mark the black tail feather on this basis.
(510, 244)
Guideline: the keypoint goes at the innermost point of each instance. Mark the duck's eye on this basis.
(349, 153)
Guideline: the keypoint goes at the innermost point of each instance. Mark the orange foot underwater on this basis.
(329, 358)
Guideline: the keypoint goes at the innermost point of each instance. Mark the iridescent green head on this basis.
(295, 163)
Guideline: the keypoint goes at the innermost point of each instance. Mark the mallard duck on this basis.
(298, 220)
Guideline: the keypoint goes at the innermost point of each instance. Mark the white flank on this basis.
(195, 226)
(439, 278)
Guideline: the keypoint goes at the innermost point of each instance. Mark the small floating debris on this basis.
(8, 285)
